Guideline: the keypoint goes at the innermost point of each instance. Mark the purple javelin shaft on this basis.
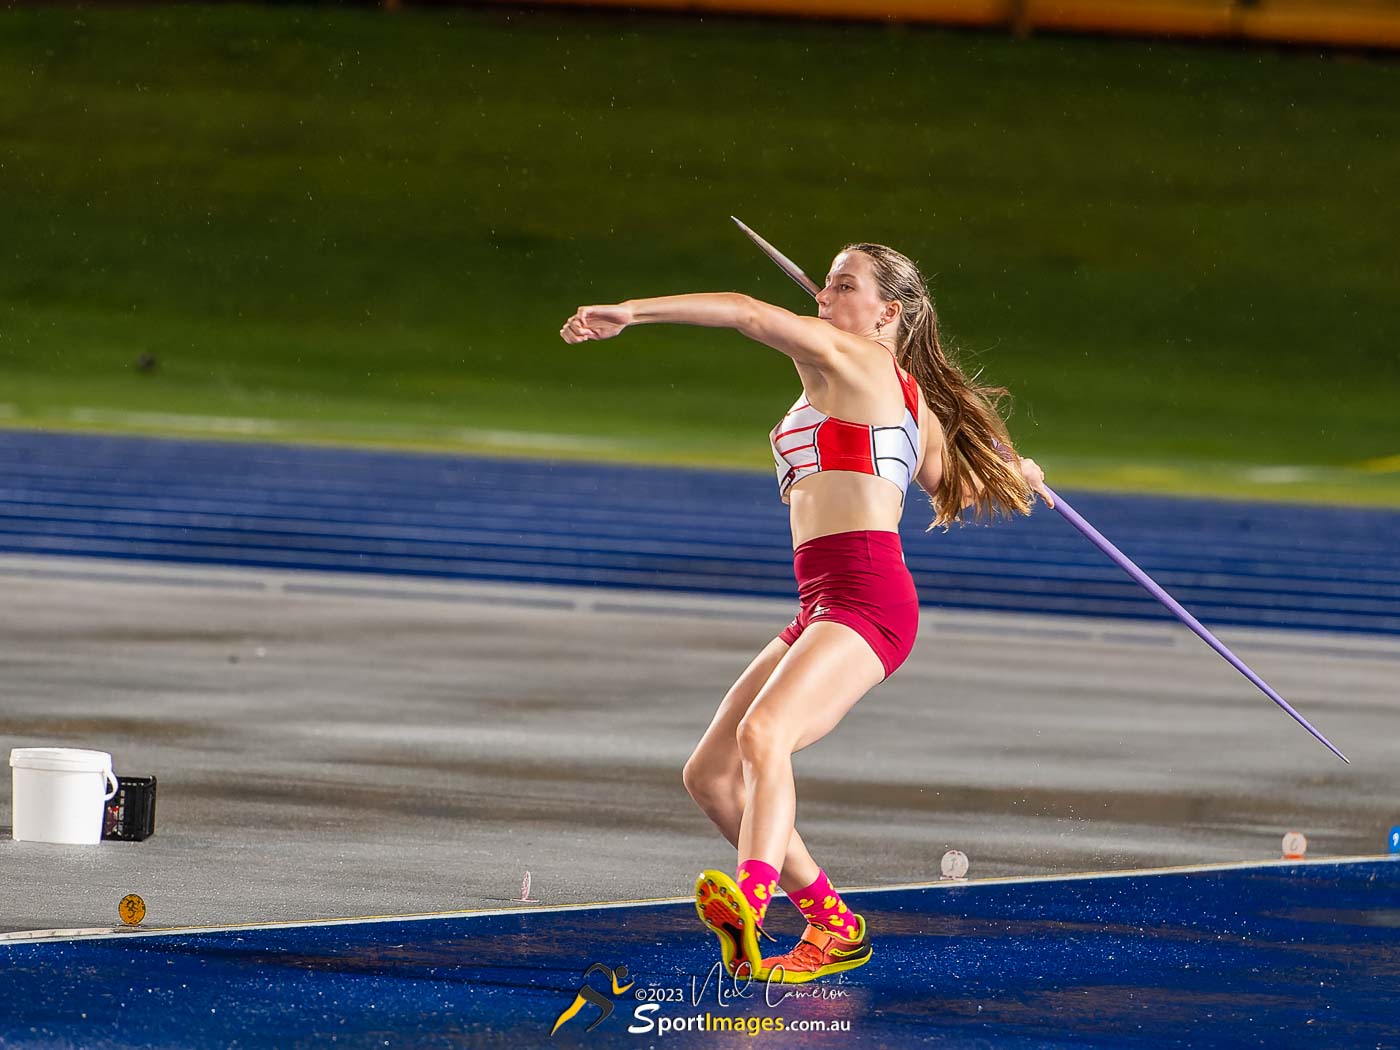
(1153, 588)
(1097, 539)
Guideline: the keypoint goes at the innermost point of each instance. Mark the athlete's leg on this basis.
(820, 661)
(816, 682)
(714, 773)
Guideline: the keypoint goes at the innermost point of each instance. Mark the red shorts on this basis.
(858, 579)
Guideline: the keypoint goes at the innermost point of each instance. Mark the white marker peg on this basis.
(954, 864)
(525, 897)
(1295, 846)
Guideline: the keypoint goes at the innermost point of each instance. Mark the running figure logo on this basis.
(589, 994)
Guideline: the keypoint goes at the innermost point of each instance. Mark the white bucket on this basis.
(60, 793)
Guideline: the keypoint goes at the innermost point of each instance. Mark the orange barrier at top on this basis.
(1335, 24)
(1330, 23)
(950, 12)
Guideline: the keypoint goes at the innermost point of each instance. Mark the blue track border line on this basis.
(138, 933)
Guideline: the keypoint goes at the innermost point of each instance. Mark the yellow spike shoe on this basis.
(819, 953)
(723, 907)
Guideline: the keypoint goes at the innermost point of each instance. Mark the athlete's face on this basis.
(851, 299)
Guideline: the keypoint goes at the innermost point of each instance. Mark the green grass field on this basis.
(347, 225)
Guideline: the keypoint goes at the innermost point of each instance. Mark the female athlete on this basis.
(881, 404)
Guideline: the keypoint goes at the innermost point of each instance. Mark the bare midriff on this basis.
(843, 501)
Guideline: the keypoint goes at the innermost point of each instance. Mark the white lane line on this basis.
(258, 426)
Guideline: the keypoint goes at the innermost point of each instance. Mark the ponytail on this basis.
(979, 462)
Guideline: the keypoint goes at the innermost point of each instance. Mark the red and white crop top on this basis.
(807, 442)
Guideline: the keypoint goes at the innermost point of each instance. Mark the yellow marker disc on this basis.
(132, 909)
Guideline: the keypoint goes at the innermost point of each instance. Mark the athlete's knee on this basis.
(705, 782)
(759, 738)
(695, 777)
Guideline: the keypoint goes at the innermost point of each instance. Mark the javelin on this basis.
(1097, 539)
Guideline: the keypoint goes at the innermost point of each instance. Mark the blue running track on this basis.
(1297, 955)
(287, 507)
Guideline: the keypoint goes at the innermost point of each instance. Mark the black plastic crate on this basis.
(131, 812)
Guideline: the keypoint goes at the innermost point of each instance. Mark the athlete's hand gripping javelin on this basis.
(1035, 478)
(1030, 470)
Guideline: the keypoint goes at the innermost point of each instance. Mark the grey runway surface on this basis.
(333, 746)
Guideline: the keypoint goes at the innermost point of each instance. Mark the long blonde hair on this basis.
(976, 440)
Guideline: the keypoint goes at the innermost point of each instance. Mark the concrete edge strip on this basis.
(669, 603)
(159, 579)
(118, 933)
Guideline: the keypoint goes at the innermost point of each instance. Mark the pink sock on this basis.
(758, 879)
(824, 907)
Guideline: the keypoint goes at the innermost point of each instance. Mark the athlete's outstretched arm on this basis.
(807, 339)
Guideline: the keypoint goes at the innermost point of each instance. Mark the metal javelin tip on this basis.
(784, 263)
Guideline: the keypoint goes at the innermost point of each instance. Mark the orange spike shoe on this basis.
(723, 907)
(819, 953)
